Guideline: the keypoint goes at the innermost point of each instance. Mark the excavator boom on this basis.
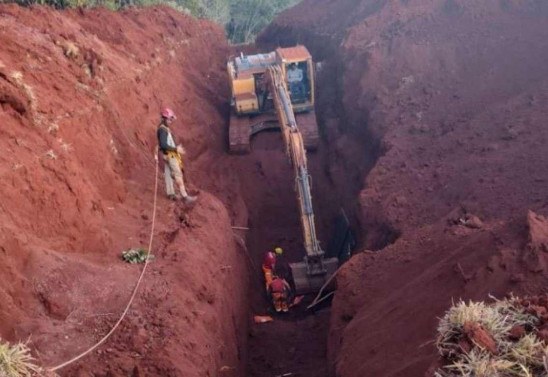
(261, 100)
(311, 274)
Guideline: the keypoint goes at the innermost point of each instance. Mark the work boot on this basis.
(189, 199)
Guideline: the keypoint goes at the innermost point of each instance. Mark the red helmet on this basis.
(167, 113)
(269, 260)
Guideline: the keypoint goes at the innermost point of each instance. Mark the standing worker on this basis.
(269, 263)
(172, 157)
(282, 266)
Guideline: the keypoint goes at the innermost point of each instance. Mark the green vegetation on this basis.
(136, 255)
(16, 361)
(497, 340)
(249, 17)
(243, 19)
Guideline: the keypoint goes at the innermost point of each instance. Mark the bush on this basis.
(139, 255)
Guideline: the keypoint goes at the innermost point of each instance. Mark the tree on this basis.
(244, 19)
(251, 16)
(216, 10)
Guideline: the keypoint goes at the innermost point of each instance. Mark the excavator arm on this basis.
(310, 274)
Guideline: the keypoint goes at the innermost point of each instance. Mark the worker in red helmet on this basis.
(269, 263)
(280, 291)
(172, 154)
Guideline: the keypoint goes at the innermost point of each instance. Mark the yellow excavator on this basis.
(276, 90)
(253, 108)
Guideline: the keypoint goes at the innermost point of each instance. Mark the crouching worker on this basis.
(280, 292)
(171, 153)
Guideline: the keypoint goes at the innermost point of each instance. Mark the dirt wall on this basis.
(80, 93)
(447, 100)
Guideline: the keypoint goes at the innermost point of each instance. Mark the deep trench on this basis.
(295, 344)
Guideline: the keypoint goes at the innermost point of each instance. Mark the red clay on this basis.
(433, 123)
(452, 97)
(80, 93)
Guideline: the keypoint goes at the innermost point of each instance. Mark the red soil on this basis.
(452, 97)
(79, 98)
(79, 123)
(433, 119)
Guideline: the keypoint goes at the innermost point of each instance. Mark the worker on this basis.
(280, 292)
(269, 264)
(171, 153)
(282, 266)
(295, 80)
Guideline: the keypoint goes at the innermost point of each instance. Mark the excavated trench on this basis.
(442, 137)
(295, 344)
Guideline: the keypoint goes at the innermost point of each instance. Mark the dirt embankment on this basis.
(453, 98)
(80, 93)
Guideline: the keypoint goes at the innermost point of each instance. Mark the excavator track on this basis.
(243, 128)
(309, 129)
(239, 135)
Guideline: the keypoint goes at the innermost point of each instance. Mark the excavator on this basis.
(276, 90)
(253, 107)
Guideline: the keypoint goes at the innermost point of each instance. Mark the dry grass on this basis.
(529, 350)
(526, 357)
(16, 361)
(477, 364)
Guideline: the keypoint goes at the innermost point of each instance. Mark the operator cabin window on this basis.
(296, 78)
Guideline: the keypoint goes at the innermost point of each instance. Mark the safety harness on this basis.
(172, 154)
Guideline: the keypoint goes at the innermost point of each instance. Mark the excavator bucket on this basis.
(307, 281)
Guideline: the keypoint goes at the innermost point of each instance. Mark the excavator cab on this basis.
(298, 70)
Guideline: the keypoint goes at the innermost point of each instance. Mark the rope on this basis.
(95, 346)
(317, 298)
(316, 302)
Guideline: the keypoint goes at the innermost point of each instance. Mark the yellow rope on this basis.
(95, 346)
